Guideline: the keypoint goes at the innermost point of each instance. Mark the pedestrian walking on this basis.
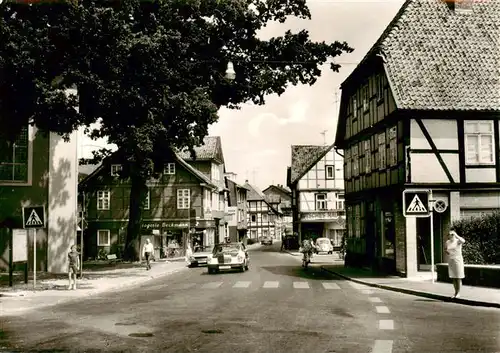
(456, 272)
(74, 266)
(283, 241)
(147, 252)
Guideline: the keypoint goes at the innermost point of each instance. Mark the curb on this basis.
(439, 297)
(63, 300)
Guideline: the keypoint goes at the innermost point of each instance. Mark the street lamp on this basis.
(230, 73)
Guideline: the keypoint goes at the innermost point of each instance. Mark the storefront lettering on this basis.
(163, 225)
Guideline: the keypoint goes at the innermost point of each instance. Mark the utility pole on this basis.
(324, 136)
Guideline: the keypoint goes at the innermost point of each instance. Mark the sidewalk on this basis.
(420, 286)
(53, 291)
(318, 258)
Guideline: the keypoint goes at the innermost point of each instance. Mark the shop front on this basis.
(204, 233)
(169, 238)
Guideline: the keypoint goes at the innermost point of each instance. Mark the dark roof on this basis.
(254, 194)
(229, 181)
(304, 157)
(437, 58)
(211, 149)
(202, 177)
(280, 188)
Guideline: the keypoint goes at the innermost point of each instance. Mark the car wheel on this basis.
(246, 266)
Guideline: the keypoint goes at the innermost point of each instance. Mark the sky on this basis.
(256, 140)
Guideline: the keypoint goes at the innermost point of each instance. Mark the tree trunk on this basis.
(138, 192)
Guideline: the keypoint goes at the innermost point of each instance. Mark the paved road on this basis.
(274, 307)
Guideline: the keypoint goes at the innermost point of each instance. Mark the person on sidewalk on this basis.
(147, 251)
(74, 266)
(456, 272)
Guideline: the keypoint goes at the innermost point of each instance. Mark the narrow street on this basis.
(276, 306)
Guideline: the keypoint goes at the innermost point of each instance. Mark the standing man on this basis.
(147, 251)
(74, 266)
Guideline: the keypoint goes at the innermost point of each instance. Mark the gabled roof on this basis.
(254, 194)
(211, 149)
(304, 157)
(278, 188)
(437, 58)
(202, 177)
(233, 183)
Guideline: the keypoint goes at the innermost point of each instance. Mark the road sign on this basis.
(416, 203)
(440, 206)
(34, 217)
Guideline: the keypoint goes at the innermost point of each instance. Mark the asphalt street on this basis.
(276, 306)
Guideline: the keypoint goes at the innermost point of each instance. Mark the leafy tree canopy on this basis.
(152, 72)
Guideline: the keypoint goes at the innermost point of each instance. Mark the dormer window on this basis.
(169, 169)
(366, 98)
(116, 169)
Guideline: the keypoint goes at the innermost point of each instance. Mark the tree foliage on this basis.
(152, 72)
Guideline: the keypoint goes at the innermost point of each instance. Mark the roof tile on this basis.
(303, 157)
(210, 149)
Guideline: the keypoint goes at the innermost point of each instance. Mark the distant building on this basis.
(421, 111)
(236, 214)
(42, 170)
(316, 178)
(280, 197)
(262, 217)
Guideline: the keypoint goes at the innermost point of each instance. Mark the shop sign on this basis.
(163, 225)
(203, 223)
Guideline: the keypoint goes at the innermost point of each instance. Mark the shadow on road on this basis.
(312, 272)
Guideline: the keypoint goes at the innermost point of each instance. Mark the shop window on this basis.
(14, 158)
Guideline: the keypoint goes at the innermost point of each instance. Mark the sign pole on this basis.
(11, 257)
(431, 211)
(34, 260)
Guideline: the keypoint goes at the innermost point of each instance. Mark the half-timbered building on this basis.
(263, 218)
(421, 111)
(316, 180)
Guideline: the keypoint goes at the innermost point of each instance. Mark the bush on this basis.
(481, 234)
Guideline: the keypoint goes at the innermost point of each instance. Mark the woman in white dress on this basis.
(453, 248)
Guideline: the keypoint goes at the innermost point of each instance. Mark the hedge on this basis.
(482, 240)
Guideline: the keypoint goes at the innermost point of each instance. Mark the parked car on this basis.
(324, 245)
(200, 256)
(228, 256)
(266, 241)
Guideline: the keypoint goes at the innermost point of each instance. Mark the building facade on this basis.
(39, 170)
(178, 208)
(263, 219)
(415, 117)
(236, 215)
(280, 198)
(316, 180)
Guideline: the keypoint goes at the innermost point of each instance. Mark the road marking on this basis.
(382, 310)
(328, 285)
(375, 300)
(271, 284)
(386, 325)
(367, 291)
(301, 285)
(211, 285)
(242, 284)
(382, 346)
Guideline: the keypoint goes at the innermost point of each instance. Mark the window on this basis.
(330, 172)
(320, 201)
(379, 81)
(147, 201)
(253, 218)
(215, 172)
(115, 169)
(183, 199)
(103, 200)
(393, 147)
(253, 234)
(355, 161)
(14, 158)
(265, 218)
(381, 151)
(479, 146)
(366, 98)
(103, 237)
(347, 166)
(357, 221)
(368, 157)
(265, 232)
(340, 202)
(354, 108)
(169, 169)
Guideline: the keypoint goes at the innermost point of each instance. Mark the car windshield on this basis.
(226, 248)
(323, 241)
(207, 248)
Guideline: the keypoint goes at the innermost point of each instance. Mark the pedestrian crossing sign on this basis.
(416, 203)
(34, 217)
